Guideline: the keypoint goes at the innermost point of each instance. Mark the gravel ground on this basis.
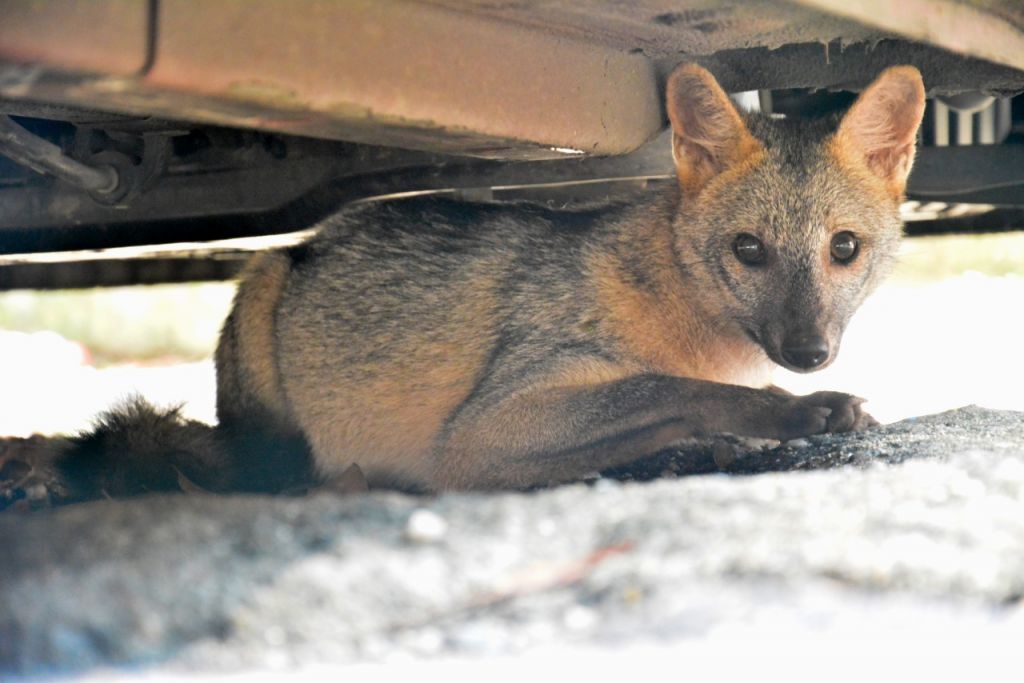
(899, 550)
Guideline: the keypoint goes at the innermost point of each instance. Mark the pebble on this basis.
(723, 453)
(425, 526)
(579, 618)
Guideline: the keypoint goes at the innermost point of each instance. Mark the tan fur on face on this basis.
(662, 330)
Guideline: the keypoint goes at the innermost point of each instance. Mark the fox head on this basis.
(791, 224)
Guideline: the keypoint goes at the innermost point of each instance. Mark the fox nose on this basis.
(805, 351)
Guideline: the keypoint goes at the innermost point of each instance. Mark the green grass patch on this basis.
(120, 323)
(927, 259)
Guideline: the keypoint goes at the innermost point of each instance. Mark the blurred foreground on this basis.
(908, 572)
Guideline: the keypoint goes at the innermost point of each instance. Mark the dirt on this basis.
(861, 539)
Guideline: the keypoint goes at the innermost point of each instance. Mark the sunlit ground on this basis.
(946, 331)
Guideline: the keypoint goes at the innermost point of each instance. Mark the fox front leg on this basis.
(556, 435)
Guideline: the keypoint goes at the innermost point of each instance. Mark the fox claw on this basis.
(824, 412)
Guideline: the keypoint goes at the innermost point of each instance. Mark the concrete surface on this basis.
(912, 549)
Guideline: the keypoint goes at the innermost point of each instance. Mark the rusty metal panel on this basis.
(97, 36)
(407, 65)
(990, 29)
(523, 79)
(672, 29)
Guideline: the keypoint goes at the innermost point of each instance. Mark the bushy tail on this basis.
(136, 448)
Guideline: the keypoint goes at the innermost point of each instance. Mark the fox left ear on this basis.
(708, 135)
(881, 126)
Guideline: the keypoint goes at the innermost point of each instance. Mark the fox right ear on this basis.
(881, 126)
(708, 135)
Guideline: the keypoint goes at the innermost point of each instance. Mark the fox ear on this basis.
(708, 135)
(881, 126)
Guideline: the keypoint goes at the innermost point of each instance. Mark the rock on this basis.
(840, 546)
(425, 526)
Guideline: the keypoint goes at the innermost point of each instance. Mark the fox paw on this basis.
(28, 480)
(823, 412)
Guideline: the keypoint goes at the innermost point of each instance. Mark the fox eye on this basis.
(844, 247)
(749, 249)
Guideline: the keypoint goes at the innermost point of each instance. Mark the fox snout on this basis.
(805, 351)
(800, 349)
